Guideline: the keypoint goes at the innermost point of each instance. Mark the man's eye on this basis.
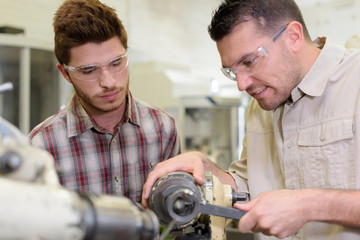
(249, 61)
(87, 70)
(116, 62)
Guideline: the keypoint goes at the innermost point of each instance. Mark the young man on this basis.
(301, 157)
(105, 140)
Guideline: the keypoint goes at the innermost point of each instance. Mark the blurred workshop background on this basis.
(173, 63)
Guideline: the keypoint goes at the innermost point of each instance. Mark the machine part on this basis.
(9, 162)
(176, 196)
(35, 206)
(37, 211)
(21, 161)
(112, 217)
(218, 205)
(240, 197)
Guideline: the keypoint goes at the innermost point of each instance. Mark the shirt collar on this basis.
(131, 112)
(314, 82)
(79, 121)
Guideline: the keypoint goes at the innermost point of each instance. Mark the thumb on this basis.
(198, 173)
(145, 198)
(244, 206)
(199, 178)
(146, 189)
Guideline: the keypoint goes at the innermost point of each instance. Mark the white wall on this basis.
(34, 16)
(165, 31)
(337, 19)
(175, 31)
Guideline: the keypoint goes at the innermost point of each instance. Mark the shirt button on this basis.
(322, 138)
(291, 186)
(113, 141)
(290, 144)
(117, 178)
(151, 164)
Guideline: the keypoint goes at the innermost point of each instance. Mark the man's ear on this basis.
(295, 36)
(63, 72)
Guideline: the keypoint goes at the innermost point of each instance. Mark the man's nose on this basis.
(107, 79)
(243, 81)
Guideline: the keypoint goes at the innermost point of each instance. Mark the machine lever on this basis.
(220, 211)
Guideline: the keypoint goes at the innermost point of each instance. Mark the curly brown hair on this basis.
(77, 22)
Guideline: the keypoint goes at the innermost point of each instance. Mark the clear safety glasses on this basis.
(249, 64)
(91, 73)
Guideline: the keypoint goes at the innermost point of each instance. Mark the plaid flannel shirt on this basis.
(91, 159)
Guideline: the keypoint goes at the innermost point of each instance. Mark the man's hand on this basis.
(191, 162)
(276, 213)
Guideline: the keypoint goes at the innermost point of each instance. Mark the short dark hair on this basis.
(77, 22)
(270, 15)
